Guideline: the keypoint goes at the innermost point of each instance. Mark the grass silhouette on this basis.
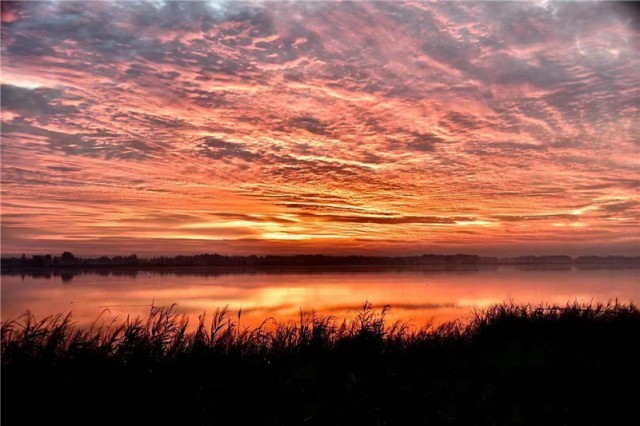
(509, 364)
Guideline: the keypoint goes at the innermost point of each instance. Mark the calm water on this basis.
(417, 296)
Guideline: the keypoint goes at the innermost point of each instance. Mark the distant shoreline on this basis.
(72, 270)
(215, 262)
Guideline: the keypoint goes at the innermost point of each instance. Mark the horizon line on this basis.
(129, 254)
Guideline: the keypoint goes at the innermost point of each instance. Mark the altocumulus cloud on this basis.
(390, 126)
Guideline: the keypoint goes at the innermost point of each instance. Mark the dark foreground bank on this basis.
(510, 365)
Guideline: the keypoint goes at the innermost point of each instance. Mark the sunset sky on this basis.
(388, 128)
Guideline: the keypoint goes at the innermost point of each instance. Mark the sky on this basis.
(382, 128)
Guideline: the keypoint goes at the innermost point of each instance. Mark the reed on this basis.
(508, 364)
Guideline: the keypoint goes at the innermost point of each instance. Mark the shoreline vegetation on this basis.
(67, 273)
(509, 364)
(69, 261)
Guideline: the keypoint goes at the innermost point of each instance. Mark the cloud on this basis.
(310, 124)
(218, 149)
(452, 124)
(391, 220)
(534, 217)
(621, 206)
(34, 102)
(424, 142)
(82, 144)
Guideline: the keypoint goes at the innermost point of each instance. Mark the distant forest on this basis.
(68, 260)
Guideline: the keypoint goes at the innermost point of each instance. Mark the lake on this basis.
(418, 296)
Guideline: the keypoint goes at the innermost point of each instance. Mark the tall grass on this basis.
(163, 334)
(508, 364)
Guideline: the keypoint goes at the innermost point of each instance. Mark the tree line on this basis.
(68, 259)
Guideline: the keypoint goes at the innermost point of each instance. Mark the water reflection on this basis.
(420, 296)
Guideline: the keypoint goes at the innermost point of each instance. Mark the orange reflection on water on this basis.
(420, 297)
